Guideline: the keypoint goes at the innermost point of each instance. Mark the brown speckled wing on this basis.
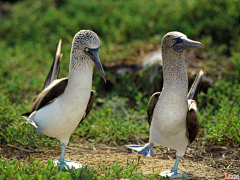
(192, 121)
(151, 105)
(55, 89)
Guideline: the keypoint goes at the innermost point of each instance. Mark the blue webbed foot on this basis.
(63, 163)
(143, 149)
(67, 164)
(173, 174)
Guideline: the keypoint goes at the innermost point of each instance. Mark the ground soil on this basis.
(203, 160)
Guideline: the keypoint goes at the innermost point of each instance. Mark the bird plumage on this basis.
(172, 117)
(168, 126)
(55, 68)
(64, 103)
(151, 106)
(192, 117)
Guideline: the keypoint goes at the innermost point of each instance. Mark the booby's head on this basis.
(178, 42)
(87, 41)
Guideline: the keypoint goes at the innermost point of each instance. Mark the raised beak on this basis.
(188, 43)
(185, 43)
(93, 54)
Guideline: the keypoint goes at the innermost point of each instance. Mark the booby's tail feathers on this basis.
(53, 74)
(33, 124)
(193, 92)
(143, 149)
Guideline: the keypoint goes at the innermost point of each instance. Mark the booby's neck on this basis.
(174, 71)
(79, 78)
(79, 62)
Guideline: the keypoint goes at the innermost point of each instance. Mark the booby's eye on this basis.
(173, 41)
(86, 49)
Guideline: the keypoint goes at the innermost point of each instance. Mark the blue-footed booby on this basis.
(172, 113)
(64, 103)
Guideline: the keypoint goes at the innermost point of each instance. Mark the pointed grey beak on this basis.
(185, 43)
(93, 54)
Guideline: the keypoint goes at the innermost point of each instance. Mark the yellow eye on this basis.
(86, 49)
(173, 41)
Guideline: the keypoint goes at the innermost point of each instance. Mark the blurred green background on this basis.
(31, 29)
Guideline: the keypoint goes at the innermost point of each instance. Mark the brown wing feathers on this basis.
(151, 105)
(49, 94)
(53, 73)
(89, 106)
(192, 121)
(192, 116)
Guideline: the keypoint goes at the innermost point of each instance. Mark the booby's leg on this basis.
(143, 149)
(33, 124)
(63, 163)
(173, 173)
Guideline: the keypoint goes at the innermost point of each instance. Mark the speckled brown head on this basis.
(178, 42)
(85, 39)
(87, 42)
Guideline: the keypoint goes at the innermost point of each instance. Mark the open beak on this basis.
(185, 43)
(93, 54)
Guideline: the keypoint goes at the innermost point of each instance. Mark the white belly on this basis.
(168, 126)
(60, 118)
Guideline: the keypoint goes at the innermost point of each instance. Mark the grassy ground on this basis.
(29, 34)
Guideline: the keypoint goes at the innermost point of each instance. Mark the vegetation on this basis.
(29, 34)
(36, 170)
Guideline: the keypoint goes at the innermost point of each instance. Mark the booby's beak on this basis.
(93, 54)
(183, 43)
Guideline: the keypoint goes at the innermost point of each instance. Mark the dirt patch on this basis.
(201, 161)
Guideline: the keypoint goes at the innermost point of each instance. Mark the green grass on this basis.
(29, 34)
(36, 170)
(220, 116)
(119, 21)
